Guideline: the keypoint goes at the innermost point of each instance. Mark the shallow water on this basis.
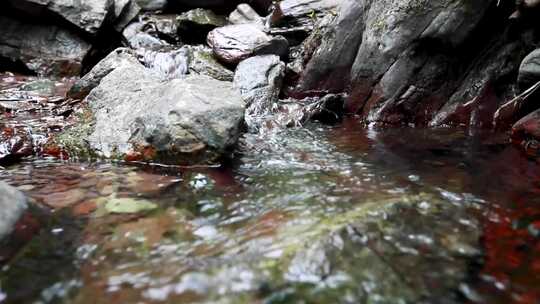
(321, 214)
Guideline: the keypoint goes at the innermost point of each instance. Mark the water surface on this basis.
(319, 214)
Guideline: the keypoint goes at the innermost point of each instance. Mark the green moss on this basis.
(74, 138)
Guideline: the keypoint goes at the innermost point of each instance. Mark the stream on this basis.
(313, 214)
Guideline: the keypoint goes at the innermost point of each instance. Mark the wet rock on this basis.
(125, 11)
(526, 133)
(203, 62)
(14, 145)
(167, 63)
(152, 5)
(301, 12)
(234, 43)
(44, 49)
(300, 55)
(259, 80)
(243, 14)
(118, 58)
(134, 114)
(194, 26)
(529, 70)
(12, 206)
(483, 89)
(89, 17)
(295, 113)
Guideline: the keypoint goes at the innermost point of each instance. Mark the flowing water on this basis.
(319, 214)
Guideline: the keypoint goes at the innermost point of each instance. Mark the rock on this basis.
(234, 43)
(152, 5)
(529, 71)
(301, 12)
(300, 55)
(246, 14)
(134, 114)
(152, 31)
(118, 58)
(12, 206)
(259, 80)
(194, 25)
(476, 105)
(44, 49)
(172, 64)
(401, 61)
(528, 126)
(14, 145)
(125, 11)
(526, 133)
(203, 62)
(89, 17)
(295, 113)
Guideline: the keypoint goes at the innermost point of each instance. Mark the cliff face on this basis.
(420, 62)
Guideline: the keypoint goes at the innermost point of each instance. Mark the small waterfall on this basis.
(170, 63)
(263, 117)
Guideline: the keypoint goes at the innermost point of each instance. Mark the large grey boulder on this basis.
(234, 43)
(12, 206)
(43, 49)
(136, 114)
(88, 15)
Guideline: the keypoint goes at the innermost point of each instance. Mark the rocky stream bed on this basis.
(295, 151)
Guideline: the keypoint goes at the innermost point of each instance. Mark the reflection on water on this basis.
(303, 215)
(319, 215)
